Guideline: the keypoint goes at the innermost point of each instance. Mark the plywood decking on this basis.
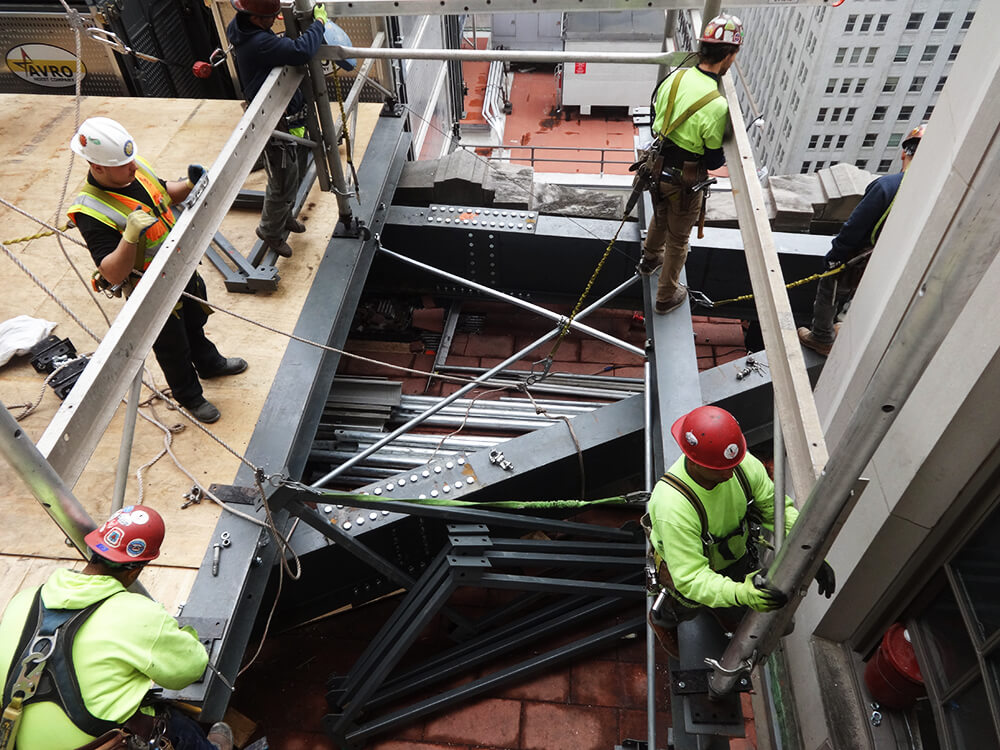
(170, 133)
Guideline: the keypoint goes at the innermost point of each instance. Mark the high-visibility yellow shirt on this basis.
(703, 129)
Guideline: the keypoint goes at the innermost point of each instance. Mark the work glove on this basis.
(826, 579)
(761, 598)
(319, 13)
(195, 173)
(136, 224)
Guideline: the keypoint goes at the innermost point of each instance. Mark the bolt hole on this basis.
(888, 408)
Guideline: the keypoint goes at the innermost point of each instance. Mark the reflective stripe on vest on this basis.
(113, 208)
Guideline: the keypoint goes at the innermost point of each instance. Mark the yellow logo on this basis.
(45, 65)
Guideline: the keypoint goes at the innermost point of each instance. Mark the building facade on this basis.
(845, 84)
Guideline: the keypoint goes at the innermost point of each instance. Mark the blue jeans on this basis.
(185, 733)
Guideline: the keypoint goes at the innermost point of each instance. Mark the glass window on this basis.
(940, 84)
(827, 141)
(831, 85)
(928, 112)
(839, 57)
(805, 167)
(879, 113)
(929, 53)
(821, 115)
(869, 140)
(968, 19)
(856, 55)
(978, 569)
(862, 82)
(845, 87)
(913, 22)
(820, 165)
(883, 21)
(968, 718)
(870, 58)
(941, 22)
(866, 22)
(947, 640)
(849, 115)
(861, 164)
(894, 140)
(891, 82)
(905, 113)
(917, 84)
(954, 52)
(835, 115)
(902, 52)
(841, 141)
(852, 20)
(813, 140)
(885, 165)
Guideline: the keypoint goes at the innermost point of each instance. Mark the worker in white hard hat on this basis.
(690, 120)
(124, 215)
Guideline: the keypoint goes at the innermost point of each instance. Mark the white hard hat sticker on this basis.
(689, 436)
(732, 451)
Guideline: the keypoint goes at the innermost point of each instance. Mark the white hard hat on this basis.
(101, 140)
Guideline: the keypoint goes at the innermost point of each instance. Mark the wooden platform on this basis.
(35, 132)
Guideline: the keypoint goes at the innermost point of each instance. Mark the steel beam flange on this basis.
(695, 681)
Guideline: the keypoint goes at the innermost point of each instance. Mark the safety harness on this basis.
(674, 86)
(42, 670)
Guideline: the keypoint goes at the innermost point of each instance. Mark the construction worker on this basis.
(690, 120)
(851, 245)
(699, 521)
(124, 215)
(258, 50)
(101, 648)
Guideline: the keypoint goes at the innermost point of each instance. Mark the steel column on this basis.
(125, 451)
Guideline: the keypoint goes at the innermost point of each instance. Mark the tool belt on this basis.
(141, 732)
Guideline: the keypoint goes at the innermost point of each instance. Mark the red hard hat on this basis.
(711, 437)
(266, 8)
(132, 534)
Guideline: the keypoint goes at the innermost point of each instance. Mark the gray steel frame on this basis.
(348, 8)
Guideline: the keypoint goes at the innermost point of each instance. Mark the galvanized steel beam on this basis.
(354, 8)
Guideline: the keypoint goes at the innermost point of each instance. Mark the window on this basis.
(941, 22)
(852, 20)
(885, 165)
(905, 113)
(841, 141)
(845, 87)
(805, 167)
(856, 55)
(902, 52)
(879, 113)
(813, 140)
(968, 19)
(891, 82)
(883, 21)
(827, 141)
(954, 52)
(928, 112)
(869, 140)
(894, 140)
(835, 115)
(820, 165)
(821, 116)
(866, 22)
(913, 22)
(917, 84)
(872, 52)
(849, 115)
(862, 82)
(861, 164)
(929, 53)
(940, 84)
(839, 57)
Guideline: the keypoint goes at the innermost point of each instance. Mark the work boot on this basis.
(647, 267)
(678, 298)
(221, 736)
(231, 366)
(667, 638)
(294, 225)
(811, 342)
(277, 244)
(204, 412)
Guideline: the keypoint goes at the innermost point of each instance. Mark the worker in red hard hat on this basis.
(851, 246)
(690, 117)
(79, 654)
(700, 522)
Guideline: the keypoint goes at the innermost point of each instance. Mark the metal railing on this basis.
(601, 161)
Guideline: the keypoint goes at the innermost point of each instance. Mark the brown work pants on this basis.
(675, 215)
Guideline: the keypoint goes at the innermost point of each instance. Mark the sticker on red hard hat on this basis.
(139, 517)
(732, 451)
(136, 547)
(689, 436)
(114, 537)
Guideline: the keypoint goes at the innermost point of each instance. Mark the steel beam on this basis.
(338, 52)
(803, 433)
(80, 422)
(354, 8)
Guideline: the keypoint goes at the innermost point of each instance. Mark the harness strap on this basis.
(674, 86)
(59, 683)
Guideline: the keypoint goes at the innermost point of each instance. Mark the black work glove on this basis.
(195, 173)
(826, 579)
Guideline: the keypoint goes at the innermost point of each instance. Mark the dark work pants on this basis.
(185, 733)
(183, 350)
(285, 164)
(672, 612)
